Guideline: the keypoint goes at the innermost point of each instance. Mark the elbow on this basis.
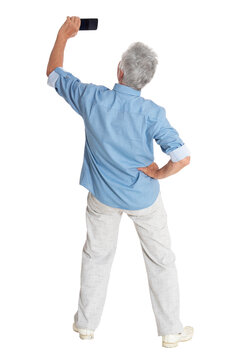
(48, 72)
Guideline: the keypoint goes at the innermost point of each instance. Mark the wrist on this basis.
(61, 37)
(159, 174)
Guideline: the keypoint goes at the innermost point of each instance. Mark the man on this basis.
(120, 173)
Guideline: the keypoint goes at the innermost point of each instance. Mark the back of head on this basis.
(138, 64)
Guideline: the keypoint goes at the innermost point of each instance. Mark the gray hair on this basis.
(138, 64)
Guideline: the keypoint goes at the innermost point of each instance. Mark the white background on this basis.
(43, 207)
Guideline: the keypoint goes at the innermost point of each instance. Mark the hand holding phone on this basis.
(70, 27)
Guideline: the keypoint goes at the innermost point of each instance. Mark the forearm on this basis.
(172, 168)
(57, 54)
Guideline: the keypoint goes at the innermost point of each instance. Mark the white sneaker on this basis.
(84, 334)
(170, 341)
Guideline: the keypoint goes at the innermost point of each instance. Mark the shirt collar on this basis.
(126, 89)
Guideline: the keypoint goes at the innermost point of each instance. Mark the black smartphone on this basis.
(89, 24)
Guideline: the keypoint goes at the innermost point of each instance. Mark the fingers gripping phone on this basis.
(89, 24)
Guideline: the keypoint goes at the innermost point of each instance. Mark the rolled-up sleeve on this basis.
(168, 138)
(78, 95)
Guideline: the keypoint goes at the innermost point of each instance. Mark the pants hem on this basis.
(170, 332)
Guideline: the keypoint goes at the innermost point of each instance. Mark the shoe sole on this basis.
(172, 345)
(83, 337)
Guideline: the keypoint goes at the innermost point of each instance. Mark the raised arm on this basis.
(68, 29)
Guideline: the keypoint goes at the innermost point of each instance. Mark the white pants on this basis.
(98, 253)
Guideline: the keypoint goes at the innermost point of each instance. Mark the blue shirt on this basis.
(120, 126)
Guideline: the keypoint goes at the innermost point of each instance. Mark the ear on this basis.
(120, 73)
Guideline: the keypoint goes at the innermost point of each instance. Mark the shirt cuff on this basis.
(179, 153)
(53, 76)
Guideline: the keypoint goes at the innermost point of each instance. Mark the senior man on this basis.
(121, 177)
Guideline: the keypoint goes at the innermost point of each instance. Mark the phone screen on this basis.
(88, 24)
